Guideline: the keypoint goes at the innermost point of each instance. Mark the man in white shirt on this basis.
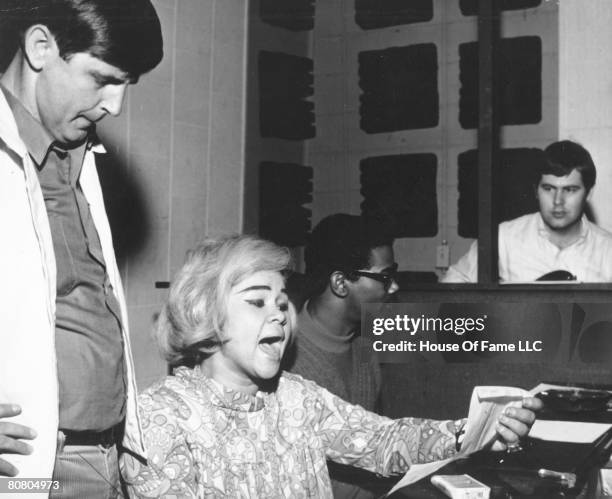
(558, 237)
(67, 387)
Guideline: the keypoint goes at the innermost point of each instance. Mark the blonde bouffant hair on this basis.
(190, 325)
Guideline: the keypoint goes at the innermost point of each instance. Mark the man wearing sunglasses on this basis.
(351, 263)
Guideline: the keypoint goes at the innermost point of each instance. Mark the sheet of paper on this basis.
(486, 405)
(418, 471)
(568, 431)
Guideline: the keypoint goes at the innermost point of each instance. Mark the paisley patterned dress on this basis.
(204, 440)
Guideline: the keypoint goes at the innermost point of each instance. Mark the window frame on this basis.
(489, 22)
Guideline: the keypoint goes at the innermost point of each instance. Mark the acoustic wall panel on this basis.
(399, 192)
(372, 14)
(295, 15)
(518, 172)
(283, 190)
(470, 7)
(285, 82)
(399, 88)
(518, 69)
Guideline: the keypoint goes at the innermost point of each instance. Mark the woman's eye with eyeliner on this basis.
(256, 303)
(283, 307)
(98, 79)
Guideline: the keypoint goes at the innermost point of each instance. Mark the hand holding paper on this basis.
(484, 428)
(498, 416)
(514, 423)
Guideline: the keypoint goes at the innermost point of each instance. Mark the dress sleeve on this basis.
(466, 268)
(375, 443)
(170, 469)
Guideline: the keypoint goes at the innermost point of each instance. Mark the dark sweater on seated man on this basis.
(351, 263)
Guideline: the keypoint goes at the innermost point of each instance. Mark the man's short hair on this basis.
(560, 158)
(123, 33)
(343, 243)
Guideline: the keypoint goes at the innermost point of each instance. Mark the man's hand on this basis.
(10, 438)
(515, 423)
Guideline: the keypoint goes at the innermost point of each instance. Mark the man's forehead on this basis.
(574, 178)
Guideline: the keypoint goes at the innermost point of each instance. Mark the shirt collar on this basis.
(223, 396)
(36, 138)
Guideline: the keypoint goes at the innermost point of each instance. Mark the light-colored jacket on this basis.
(28, 369)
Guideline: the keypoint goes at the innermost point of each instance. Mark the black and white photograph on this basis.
(326, 249)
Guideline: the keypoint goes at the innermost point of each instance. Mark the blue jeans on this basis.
(86, 471)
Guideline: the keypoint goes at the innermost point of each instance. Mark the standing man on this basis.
(66, 376)
(352, 263)
(558, 237)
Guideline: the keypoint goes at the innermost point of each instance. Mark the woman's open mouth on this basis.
(272, 345)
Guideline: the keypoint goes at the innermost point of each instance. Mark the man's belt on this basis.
(105, 438)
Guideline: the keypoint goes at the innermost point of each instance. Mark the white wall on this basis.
(263, 36)
(181, 141)
(585, 90)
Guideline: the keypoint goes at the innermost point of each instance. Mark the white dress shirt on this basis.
(526, 253)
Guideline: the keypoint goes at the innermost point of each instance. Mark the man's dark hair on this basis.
(343, 243)
(123, 33)
(560, 158)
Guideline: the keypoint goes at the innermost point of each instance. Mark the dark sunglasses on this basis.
(387, 278)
